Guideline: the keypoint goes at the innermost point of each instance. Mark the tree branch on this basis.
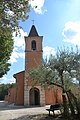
(56, 85)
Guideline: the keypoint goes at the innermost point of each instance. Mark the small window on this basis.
(33, 45)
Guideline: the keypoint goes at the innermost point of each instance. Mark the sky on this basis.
(58, 21)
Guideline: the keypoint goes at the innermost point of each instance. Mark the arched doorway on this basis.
(34, 96)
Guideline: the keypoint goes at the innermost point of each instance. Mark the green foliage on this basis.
(65, 61)
(6, 47)
(43, 74)
(11, 11)
(67, 64)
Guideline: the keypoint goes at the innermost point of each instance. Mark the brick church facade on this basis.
(26, 92)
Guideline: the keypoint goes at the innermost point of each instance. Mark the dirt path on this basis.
(11, 112)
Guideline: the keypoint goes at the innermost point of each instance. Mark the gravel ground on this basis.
(11, 112)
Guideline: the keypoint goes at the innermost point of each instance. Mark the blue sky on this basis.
(58, 21)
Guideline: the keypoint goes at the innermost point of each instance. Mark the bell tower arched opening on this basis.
(33, 45)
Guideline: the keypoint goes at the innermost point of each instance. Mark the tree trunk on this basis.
(76, 104)
(66, 110)
(70, 104)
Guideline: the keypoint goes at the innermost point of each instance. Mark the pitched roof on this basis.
(33, 32)
(21, 72)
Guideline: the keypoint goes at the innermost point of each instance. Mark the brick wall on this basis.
(11, 95)
(19, 99)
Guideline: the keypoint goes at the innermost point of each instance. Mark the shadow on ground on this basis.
(39, 117)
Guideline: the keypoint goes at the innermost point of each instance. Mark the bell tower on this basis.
(33, 49)
(33, 58)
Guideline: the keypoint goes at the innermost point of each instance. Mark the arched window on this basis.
(33, 45)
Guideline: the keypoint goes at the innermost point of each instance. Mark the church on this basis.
(25, 92)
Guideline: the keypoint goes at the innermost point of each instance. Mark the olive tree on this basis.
(65, 62)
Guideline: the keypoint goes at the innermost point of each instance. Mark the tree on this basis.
(11, 12)
(6, 47)
(65, 62)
